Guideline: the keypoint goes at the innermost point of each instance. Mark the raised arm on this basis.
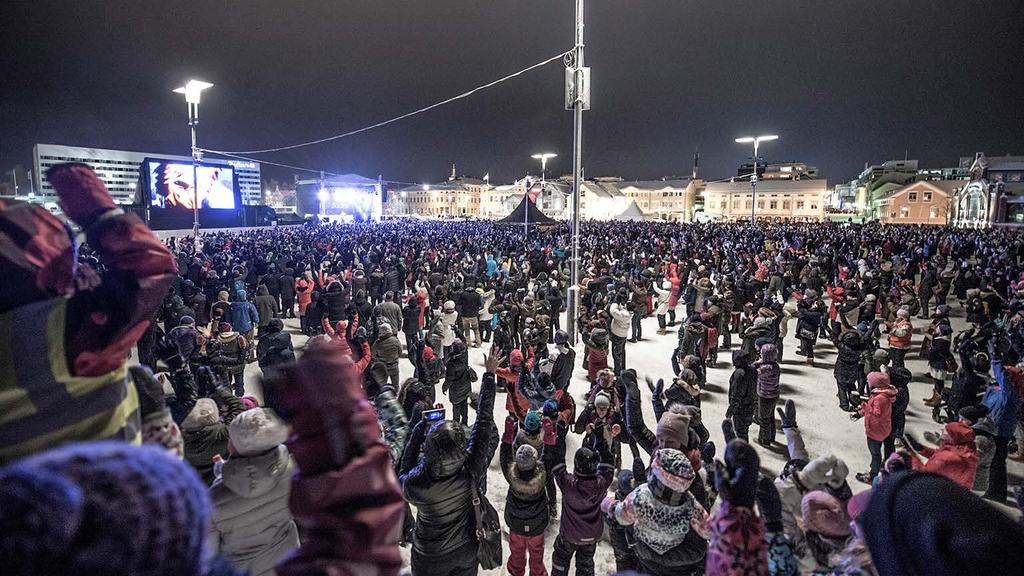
(105, 322)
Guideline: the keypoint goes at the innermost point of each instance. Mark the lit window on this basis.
(926, 197)
(912, 197)
(773, 204)
(785, 204)
(904, 212)
(800, 205)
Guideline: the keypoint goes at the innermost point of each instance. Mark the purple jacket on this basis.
(582, 520)
(768, 372)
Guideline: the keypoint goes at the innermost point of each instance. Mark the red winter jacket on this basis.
(877, 413)
(956, 458)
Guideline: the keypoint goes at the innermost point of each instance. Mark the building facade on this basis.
(119, 170)
(669, 200)
(926, 202)
(994, 194)
(802, 200)
(456, 198)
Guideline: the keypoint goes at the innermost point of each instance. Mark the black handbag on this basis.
(488, 528)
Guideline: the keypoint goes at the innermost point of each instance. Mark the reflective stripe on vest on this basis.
(41, 404)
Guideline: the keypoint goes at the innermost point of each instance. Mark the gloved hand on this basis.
(788, 416)
(83, 196)
(167, 350)
(151, 392)
(707, 453)
(932, 436)
(608, 504)
(323, 400)
(736, 479)
(659, 388)
(770, 504)
(728, 430)
(511, 426)
(909, 440)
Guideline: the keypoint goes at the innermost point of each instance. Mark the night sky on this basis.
(842, 83)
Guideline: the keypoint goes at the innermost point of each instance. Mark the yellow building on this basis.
(788, 199)
(457, 198)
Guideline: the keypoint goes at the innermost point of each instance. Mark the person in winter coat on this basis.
(231, 350)
(154, 510)
(387, 349)
(344, 497)
(220, 311)
(526, 511)
(620, 326)
(742, 393)
(303, 294)
(738, 544)
(390, 312)
(984, 442)
(69, 337)
(335, 300)
(485, 316)
(848, 370)
(411, 327)
(469, 305)
(940, 364)
(266, 307)
(243, 316)
(956, 457)
(900, 379)
(458, 382)
(274, 346)
(205, 432)
(581, 523)
(1003, 400)
(597, 352)
(286, 283)
(877, 414)
(810, 311)
(441, 485)
(768, 374)
(900, 333)
(826, 528)
(669, 526)
(252, 525)
(661, 305)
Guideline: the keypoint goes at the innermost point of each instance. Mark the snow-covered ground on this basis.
(824, 426)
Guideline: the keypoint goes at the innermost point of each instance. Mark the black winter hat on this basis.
(924, 524)
(585, 463)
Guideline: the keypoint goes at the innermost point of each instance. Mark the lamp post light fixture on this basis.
(192, 91)
(544, 157)
(756, 141)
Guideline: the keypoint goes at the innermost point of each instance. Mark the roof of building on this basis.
(949, 187)
(633, 213)
(654, 184)
(768, 186)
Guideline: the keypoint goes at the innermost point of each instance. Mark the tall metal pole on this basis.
(572, 296)
(753, 186)
(193, 119)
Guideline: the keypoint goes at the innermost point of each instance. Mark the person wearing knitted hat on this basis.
(956, 457)
(900, 379)
(826, 525)
(252, 525)
(1003, 399)
(105, 508)
(158, 426)
(526, 512)
(941, 365)
(581, 524)
(52, 308)
(742, 393)
(900, 333)
(738, 544)
(877, 414)
(188, 339)
(670, 527)
(205, 434)
(918, 524)
(274, 346)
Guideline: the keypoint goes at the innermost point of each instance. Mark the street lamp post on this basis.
(192, 90)
(543, 157)
(756, 141)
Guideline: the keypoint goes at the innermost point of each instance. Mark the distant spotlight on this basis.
(426, 187)
(322, 195)
(404, 194)
(338, 194)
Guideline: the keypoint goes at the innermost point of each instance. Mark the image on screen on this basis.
(171, 186)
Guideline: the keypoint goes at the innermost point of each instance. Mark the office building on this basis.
(119, 170)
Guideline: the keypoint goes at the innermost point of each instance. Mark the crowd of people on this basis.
(340, 462)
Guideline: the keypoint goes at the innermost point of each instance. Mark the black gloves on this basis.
(736, 479)
(151, 392)
(770, 504)
(707, 454)
(912, 442)
(788, 415)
